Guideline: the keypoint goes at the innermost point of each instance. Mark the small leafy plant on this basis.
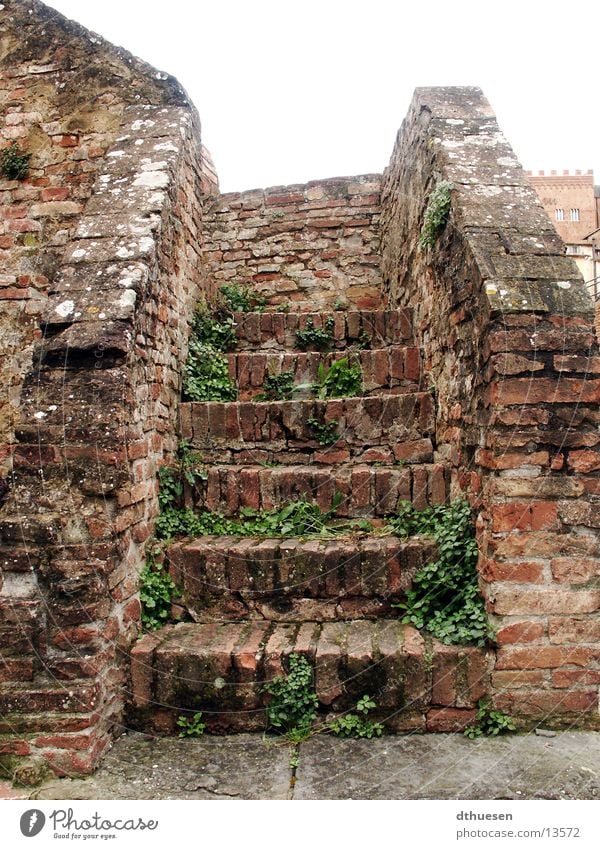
(489, 722)
(313, 338)
(14, 162)
(445, 598)
(326, 433)
(212, 330)
(293, 703)
(436, 214)
(238, 298)
(157, 591)
(206, 374)
(193, 727)
(277, 387)
(358, 724)
(339, 380)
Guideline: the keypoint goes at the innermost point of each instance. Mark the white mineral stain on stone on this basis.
(145, 122)
(146, 244)
(491, 289)
(116, 153)
(78, 253)
(125, 253)
(152, 179)
(165, 146)
(19, 585)
(456, 121)
(451, 143)
(102, 315)
(139, 141)
(564, 284)
(65, 308)
(505, 160)
(128, 298)
(40, 415)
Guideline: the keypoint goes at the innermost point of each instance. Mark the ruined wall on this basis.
(99, 400)
(62, 95)
(508, 337)
(310, 245)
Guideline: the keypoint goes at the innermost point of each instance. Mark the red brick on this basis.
(546, 657)
(568, 678)
(584, 461)
(570, 570)
(536, 516)
(507, 460)
(522, 572)
(540, 703)
(55, 193)
(449, 720)
(510, 679)
(516, 602)
(574, 629)
(520, 632)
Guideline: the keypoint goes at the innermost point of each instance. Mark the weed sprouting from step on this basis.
(489, 722)
(357, 724)
(240, 298)
(341, 379)
(206, 375)
(326, 433)
(445, 598)
(277, 387)
(313, 338)
(191, 727)
(298, 518)
(157, 591)
(206, 372)
(293, 703)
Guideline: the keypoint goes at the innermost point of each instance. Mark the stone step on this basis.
(219, 669)
(341, 577)
(394, 369)
(359, 328)
(222, 430)
(367, 491)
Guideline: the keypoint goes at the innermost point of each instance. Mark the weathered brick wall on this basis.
(62, 95)
(508, 336)
(99, 401)
(310, 245)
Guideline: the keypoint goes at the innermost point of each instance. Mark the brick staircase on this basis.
(254, 601)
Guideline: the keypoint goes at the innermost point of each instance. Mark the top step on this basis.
(359, 328)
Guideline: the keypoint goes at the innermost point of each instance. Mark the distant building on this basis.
(573, 204)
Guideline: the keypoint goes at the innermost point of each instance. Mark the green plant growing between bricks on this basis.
(326, 433)
(357, 724)
(191, 727)
(436, 214)
(445, 598)
(14, 162)
(489, 722)
(313, 338)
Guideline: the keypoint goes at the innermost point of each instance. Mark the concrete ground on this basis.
(433, 766)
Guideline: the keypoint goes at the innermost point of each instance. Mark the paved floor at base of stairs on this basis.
(434, 766)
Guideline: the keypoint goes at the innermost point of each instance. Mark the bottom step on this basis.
(219, 669)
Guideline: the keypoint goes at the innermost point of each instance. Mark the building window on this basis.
(574, 215)
(560, 214)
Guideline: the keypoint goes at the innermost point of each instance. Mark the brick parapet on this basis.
(507, 331)
(99, 413)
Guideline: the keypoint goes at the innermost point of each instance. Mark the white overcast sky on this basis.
(293, 91)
